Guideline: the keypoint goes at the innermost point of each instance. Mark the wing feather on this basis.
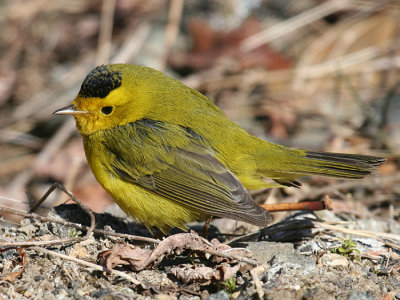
(177, 164)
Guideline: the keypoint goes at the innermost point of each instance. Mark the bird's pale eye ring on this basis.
(107, 110)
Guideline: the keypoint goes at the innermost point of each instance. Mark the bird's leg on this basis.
(206, 224)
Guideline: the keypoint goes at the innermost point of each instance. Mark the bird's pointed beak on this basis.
(70, 110)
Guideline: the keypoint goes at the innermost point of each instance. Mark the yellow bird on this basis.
(168, 155)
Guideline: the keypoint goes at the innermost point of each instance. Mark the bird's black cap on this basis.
(100, 82)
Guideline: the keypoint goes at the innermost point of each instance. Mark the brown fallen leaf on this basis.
(203, 275)
(124, 254)
(15, 274)
(388, 296)
(138, 258)
(210, 46)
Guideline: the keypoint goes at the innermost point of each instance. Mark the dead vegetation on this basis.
(321, 75)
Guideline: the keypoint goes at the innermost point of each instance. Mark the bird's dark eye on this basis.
(106, 110)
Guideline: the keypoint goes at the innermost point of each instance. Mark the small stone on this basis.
(81, 292)
(334, 260)
(28, 230)
(358, 295)
(222, 295)
(78, 251)
(235, 295)
(165, 297)
(265, 251)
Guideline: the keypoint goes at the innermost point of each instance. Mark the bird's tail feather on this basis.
(303, 162)
(339, 164)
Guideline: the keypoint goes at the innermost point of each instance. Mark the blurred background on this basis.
(321, 75)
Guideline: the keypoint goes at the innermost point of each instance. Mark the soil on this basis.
(302, 267)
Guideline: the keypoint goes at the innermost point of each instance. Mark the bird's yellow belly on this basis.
(147, 207)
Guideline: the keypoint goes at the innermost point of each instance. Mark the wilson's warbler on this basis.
(168, 155)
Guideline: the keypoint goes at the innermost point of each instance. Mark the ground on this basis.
(304, 267)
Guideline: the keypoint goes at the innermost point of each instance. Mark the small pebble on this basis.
(334, 260)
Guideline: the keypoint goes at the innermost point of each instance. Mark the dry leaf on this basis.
(138, 258)
(203, 275)
(15, 274)
(209, 46)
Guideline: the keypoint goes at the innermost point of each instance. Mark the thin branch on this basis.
(64, 240)
(379, 236)
(87, 264)
(106, 27)
(232, 256)
(255, 273)
(66, 223)
(171, 31)
(293, 24)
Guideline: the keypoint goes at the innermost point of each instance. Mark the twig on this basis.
(132, 44)
(257, 282)
(51, 148)
(106, 26)
(64, 240)
(43, 243)
(171, 31)
(347, 61)
(40, 105)
(66, 223)
(379, 236)
(87, 264)
(69, 181)
(10, 136)
(306, 205)
(232, 256)
(59, 186)
(292, 24)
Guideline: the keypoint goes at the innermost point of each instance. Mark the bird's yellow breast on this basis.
(149, 208)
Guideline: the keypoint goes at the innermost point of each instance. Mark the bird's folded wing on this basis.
(181, 168)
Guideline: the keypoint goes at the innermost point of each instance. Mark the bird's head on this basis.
(111, 95)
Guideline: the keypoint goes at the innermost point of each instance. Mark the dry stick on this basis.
(306, 205)
(87, 264)
(45, 155)
(379, 236)
(232, 256)
(65, 223)
(171, 31)
(42, 103)
(9, 136)
(65, 240)
(292, 24)
(106, 26)
(132, 44)
(343, 62)
(205, 228)
(69, 181)
(83, 206)
(257, 282)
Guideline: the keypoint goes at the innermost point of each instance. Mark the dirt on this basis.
(304, 268)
